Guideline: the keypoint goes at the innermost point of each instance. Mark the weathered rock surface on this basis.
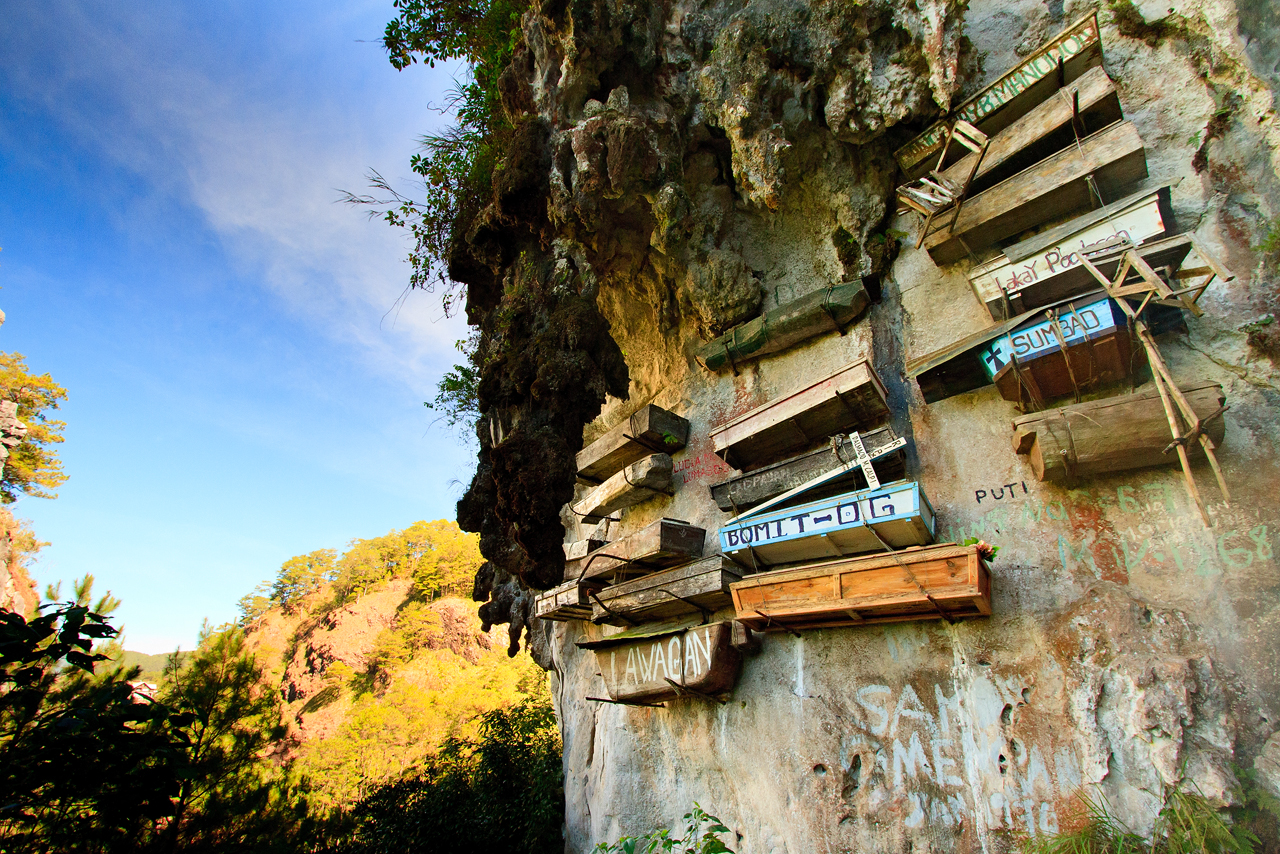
(701, 163)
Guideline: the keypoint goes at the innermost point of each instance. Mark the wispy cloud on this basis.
(248, 138)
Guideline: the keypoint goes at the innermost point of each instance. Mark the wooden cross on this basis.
(1154, 289)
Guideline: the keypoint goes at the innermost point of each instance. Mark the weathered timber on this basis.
(1078, 48)
(1056, 186)
(650, 429)
(943, 581)
(825, 310)
(1047, 268)
(699, 661)
(746, 491)
(965, 366)
(569, 601)
(581, 548)
(664, 543)
(852, 398)
(849, 523)
(636, 482)
(1049, 127)
(1118, 433)
(701, 587)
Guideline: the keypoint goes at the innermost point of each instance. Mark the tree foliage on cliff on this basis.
(456, 165)
(503, 791)
(33, 467)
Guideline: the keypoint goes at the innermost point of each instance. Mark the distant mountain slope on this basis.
(152, 665)
(376, 658)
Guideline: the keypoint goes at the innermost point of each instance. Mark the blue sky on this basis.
(245, 382)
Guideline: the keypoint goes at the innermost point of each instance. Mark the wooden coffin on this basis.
(636, 482)
(665, 543)
(1008, 99)
(1053, 188)
(746, 491)
(825, 310)
(914, 584)
(964, 366)
(690, 589)
(845, 524)
(853, 398)
(1080, 108)
(658, 663)
(1047, 268)
(1093, 348)
(650, 429)
(1117, 433)
(569, 601)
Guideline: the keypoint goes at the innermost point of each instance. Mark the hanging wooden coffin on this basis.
(665, 543)
(1088, 346)
(1059, 61)
(1078, 109)
(852, 398)
(916, 584)
(650, 429)
(636, 482)
(1113, 158)
(656, 663)
(847, 524)
(825, 310)
(1047, 268)
(695, 588)
(746, 491)
(1116, 433)
(966, 365)
(569, 601)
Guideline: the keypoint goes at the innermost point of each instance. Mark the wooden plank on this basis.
(845, 524)
(1079, 47)
(648, 430)
(746, 491)
(637, 482)
(569, 601)
(669, 593)
(1054, 187)
(1016, 282)
(661, 544)
(851, 398)
(923, 583)
(817, 313)
(1114, 434)
(699, 661)
(1041, 132)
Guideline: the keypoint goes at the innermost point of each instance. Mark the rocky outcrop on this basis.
(684, 167)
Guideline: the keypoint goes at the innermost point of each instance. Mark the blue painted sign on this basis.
(899, 513)
(1035, 339)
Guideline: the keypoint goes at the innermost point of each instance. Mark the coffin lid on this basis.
(645, 632)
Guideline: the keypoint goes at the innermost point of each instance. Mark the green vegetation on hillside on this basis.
(33, 467)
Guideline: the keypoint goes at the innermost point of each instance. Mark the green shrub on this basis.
(702, 836)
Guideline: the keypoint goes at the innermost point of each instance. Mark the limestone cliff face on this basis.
(682, 167)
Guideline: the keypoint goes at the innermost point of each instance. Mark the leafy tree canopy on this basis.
(33, 467)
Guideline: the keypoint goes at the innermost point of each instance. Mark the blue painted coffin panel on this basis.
(899, 513)
(1036, 339)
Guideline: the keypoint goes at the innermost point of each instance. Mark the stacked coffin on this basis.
(793, 516)
(1075, 306)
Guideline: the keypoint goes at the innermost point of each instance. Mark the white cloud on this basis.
(259, 145)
